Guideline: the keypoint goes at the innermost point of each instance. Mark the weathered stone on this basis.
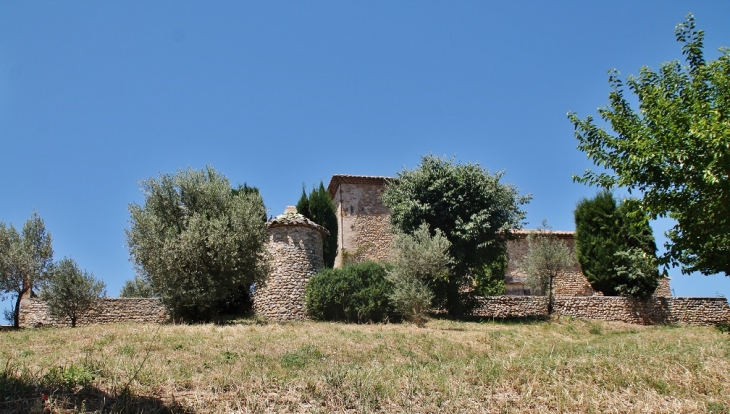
(295, 249)
(34, 312)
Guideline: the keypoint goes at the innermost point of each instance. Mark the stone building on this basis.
(295, 249)
(365, 234)
(364, 221)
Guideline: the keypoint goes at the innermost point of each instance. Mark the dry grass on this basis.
(559, 366)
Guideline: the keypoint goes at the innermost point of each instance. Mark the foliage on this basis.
(418, 260)
(489, 280)
(138, 287)
(319, 208)
(355, 293)
(604, 228)
(199, 243)
(675, 150)
(638, 272)
(547, 258)
(25, 259)
(71, 292)
(469, 205)
(245, 189)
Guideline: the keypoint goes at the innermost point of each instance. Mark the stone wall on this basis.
(295, 248)
(658, 310)
(572, 283)
(692, 311)
(34, 312)
(511, 307)
(364, 221)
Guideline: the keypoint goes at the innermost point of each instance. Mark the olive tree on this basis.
(418, 260)
(25, 259)
(547, 258)
(473, 209)
(198, 242)
(674, 149)
(71, 292)
(138, 287)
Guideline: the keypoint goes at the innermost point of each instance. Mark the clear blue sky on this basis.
(95, 96)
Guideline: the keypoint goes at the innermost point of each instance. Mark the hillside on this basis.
(561, 366)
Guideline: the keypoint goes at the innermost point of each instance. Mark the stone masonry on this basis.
(572, 283)
(658, 310)
(365, 234)
(34, 312)
(364, 221)
(295, 249)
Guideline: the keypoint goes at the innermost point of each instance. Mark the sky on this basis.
(96, 96)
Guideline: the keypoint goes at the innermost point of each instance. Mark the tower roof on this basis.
(338, 179)
(291, 218)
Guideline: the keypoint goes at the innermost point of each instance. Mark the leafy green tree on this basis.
(674, 149)
(547, 258)
(138, 287)
(638, 272)
(469, 205)
(489, 280)
(355, 293)
(319, 208)
(603, 228)
(71, 292)
(418, 260)
(199, 243)
(25, 259)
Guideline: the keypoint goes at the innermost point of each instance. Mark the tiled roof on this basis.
(338, 179)
(295, 219)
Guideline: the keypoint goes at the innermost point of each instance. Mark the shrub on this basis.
(355, 293)
(418, 260)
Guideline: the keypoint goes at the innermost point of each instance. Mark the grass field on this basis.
(558, 366)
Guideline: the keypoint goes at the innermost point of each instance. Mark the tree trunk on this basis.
(453, 300)
(550, 297)
(16, 313)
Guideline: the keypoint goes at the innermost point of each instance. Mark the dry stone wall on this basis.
(692, 311)
(658, 310)
(295, 248)
(511, 307)
(34, 312)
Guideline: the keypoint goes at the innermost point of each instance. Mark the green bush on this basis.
(355, 293)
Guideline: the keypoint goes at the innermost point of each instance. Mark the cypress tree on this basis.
(303, 204)
(604, 228)
(319, 208)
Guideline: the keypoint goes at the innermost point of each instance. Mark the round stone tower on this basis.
(295, 249)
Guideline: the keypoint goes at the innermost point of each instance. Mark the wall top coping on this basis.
(563, 234)
(339, 179)
(294, 219)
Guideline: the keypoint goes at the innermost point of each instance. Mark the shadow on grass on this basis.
(23, 392)
(528, 320)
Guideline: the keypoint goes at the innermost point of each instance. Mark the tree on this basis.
(638, 272)
(603, 229)
(71, 292)
(138, 287)
(319, 208)
(675, 150)
(547, 258)
(418, 260)
(25, 259)
(469, 205)
(200, 244)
